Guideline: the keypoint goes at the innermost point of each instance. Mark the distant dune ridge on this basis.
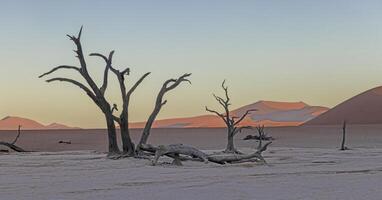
(365, 108)
(270, 113)
(12, 123)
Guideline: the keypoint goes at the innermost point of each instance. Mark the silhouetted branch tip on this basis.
(80, 33)
(59, 67)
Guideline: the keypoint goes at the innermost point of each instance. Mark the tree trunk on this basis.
(127, 144)
(112, 134)
(147, 129)
(260, 142)
(230, 144)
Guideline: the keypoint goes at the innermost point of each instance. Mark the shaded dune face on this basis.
(365, 108)
(269, 113)
(297, 112)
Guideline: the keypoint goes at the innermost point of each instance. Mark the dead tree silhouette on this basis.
(343, 147)
(232, 122)
(96, 94)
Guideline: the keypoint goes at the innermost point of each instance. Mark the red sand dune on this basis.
(270, 113)
(12, 123)
(59, 126)
(365, 108)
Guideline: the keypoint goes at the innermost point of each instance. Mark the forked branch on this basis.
(108, 61)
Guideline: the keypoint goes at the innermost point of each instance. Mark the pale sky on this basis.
(320, 52)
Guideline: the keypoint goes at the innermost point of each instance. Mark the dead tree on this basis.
(96, 94)
(123, 119)
(176, 150)
(343, 147)
(12, 145)
(260, 132)
(232, 122)
(159, 103)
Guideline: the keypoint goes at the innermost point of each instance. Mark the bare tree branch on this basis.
(115, 108)
(176, 82)
(101, 56)
(240, 129)
(18, 135)
(166, 87)
(216, 113)
(108, 62)
(83, 87)
(132, 89)
(60, 67)
(245, 115)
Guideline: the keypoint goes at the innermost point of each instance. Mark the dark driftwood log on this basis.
(255, 137)
(12, 145)
(64, 142)
(237, 158)
(148, 150)
(175, 150)
(232, 122)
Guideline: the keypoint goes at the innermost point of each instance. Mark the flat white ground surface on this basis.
(292, 173)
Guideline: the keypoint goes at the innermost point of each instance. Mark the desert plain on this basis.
(302, 163)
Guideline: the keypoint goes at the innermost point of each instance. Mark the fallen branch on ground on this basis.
(181, 152)
(12, 145)
(64, 142)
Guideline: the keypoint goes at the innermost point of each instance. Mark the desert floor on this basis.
(303, 163)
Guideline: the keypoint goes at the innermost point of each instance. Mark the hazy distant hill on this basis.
(365, 108)
(270, 113)
(12, 123)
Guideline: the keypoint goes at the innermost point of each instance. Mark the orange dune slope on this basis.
(269, 113)
(365, 108)
(12, 123)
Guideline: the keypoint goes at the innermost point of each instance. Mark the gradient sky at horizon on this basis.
(319, 52)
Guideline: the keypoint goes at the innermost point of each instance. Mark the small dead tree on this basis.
(159, 103)
(96, 94)
(12, 145)
(260, 132)
(343, 147)
(232, 122)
